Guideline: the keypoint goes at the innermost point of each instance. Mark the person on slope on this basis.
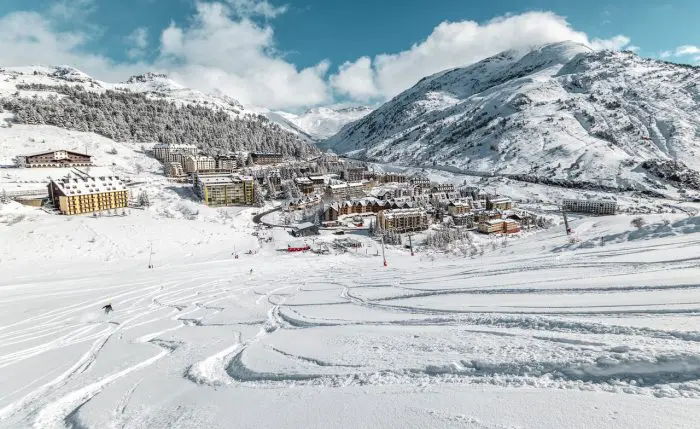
(107, 308)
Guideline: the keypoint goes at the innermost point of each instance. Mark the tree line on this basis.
(126, 116)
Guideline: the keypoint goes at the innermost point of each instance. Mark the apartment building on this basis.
(174, 169)
(226, 162)
(602, 207)
(346, 191)
(77, 195)
(403, 220)
(193, 163)
(305, 185)
(263, 158)
(499, 203)
(459, 207)
(354, 174)
(224, 189)
(162, 151)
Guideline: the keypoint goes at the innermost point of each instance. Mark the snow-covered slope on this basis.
(145, 108)
(323, 122)
(561, 112)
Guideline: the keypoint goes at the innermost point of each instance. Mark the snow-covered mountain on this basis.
(560, 113)
(145, 108)
(323, 122)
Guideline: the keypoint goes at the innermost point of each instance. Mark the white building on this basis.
(604, 207)
(194, 163)
(162, 151)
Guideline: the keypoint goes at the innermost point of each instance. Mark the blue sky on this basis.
(288, 55)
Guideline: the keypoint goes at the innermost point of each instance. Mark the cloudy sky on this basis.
(298, 53)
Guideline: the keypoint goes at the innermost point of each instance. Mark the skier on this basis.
(107, 308)
(251, 271)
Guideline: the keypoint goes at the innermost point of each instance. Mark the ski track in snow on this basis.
(527, 321)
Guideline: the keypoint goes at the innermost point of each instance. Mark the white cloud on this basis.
(218, 52)
(665, 54)
(248, 8)
(71, 9)
(355, 79)
(29, 38)
(138, 42)
(615, 44)
(222, 49)
(456, 44)
(687, 50)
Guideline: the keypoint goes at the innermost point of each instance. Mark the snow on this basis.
(560, 113)
(323, 122)
(539, 332)
(608, 332)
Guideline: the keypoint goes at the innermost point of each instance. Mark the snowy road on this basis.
(522, 337)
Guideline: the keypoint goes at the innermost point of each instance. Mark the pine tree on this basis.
(143, 200)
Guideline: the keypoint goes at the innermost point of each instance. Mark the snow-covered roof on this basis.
(172, 146)
(71, 186)
(347, 185)
(211, 179)
(304, 225)
(57, 150)
(501, 200)
(403, 212)
(494, 221)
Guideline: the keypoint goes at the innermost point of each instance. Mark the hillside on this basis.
(323, 122)
(146, 108)
(561, 113)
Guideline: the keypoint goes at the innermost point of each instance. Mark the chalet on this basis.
(55, 158)
(403, 220)
(76, 195)
(601, 207)
(263, 158)
(163, 151)
(304, 229)
(222, 190)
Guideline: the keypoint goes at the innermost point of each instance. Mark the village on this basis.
(326, 193)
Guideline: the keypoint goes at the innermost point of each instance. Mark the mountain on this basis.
(145, 108)
(323, 122)
(560, 113)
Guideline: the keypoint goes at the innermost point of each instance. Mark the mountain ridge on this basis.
(559, 112)
(145, 108)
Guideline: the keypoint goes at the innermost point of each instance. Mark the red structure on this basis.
(298, 248)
